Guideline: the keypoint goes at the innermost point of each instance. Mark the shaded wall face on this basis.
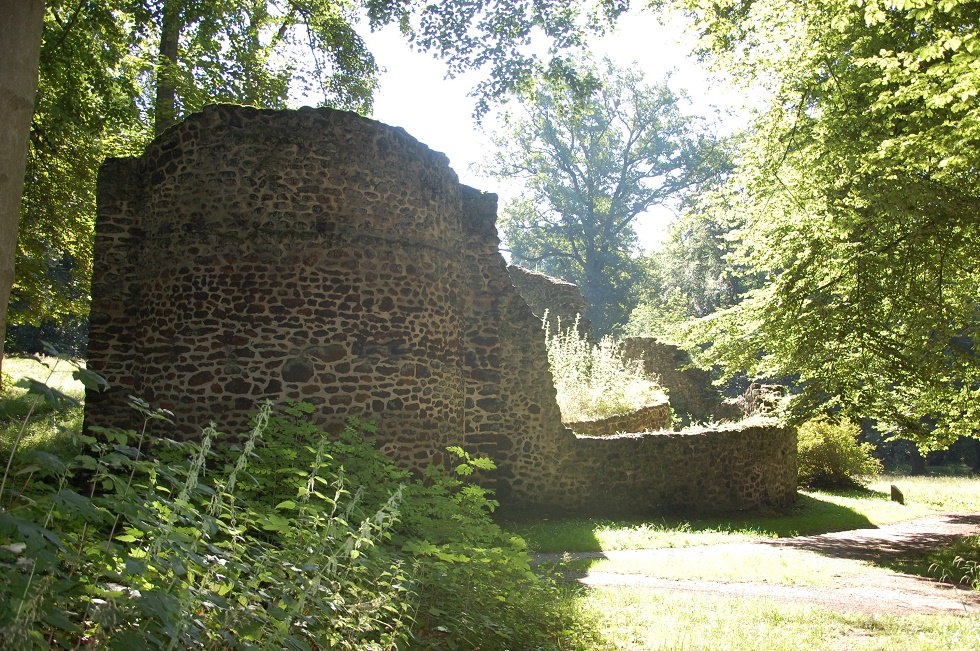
(723, 470)
(285, 255)
(511, 413)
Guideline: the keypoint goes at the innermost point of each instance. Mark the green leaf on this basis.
(90, 379)
(273, 522)
(52, 396)
(58, 620)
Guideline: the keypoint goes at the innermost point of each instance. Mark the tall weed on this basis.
(595, 380)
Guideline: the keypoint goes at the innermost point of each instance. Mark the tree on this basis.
(692, 275)
(116, 72)
(84, 112)
(859, 192)
(591, 164)
(20, 44)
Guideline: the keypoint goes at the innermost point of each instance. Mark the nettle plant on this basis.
(596, 380)
(287, 538)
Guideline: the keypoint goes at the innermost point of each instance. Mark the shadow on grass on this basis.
(956, 562)
(810, 515)
(47, 429)
(889, 547)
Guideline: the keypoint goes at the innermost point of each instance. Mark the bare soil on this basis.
(881, 591)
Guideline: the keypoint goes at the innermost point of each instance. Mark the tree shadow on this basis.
(889, 546)
(808, 516)
(558, 533)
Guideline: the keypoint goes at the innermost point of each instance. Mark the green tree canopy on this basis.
(591, 163)
(85, 111)
(692, 275)
(859, 192)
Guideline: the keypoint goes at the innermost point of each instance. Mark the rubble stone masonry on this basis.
(320, 256)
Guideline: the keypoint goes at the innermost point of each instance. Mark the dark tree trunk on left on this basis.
(165, 107)
(21, 24)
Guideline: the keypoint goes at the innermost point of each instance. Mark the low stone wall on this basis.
(692, 394)
(732, 468)
(648, 419)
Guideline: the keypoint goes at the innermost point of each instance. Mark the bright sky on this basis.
(415, 95)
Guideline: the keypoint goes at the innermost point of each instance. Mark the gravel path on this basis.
(880, 591)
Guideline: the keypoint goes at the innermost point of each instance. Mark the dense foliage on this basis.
(830, 456)
(592, 159)
(287, 539)
(595, 380)
(84, 112)
(857, 193)
(692, 275)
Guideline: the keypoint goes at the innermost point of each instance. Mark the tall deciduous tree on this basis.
(20, 46)
(860, 194)
(85, 111)
(591, 164)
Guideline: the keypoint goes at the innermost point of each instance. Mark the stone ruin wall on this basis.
(561, 300)
(692, 395)
(316, 255)
(720, 470)
(646, 419)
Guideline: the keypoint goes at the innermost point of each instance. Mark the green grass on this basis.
(54, 372)
(958, 564)
(711, 563)
(815, 512)
(638, 619)
(940, 493)
(47, 427)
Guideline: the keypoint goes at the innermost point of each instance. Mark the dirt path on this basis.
(874, 591)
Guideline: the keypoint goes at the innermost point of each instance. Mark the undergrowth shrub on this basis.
(830, 456)
(286, 539)
(595, 380)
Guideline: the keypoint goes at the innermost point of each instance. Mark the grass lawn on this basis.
(47, 427)
(635, 619)
(815, 512)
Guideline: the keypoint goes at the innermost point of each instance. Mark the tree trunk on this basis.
(21, 23)
(918, 462)
(165, 107)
